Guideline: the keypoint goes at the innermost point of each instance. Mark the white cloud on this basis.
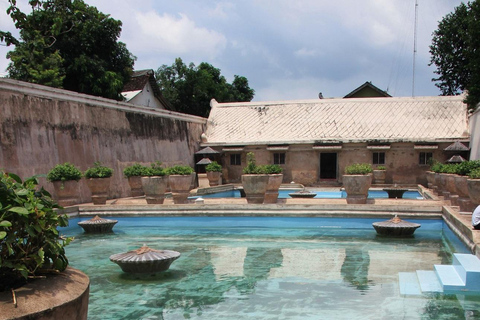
(176, 35)
(304, 52)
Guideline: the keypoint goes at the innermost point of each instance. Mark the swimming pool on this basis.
(267, 268)
(283, 194)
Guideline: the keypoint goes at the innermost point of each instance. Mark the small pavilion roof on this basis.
(457, 146)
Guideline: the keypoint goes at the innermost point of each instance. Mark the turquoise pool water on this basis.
(267, 268)
(283, 194)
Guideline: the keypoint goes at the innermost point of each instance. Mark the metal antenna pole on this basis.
(414, 47)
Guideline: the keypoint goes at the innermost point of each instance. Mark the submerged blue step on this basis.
(468, 268)
(408, 283)
(449, 277)
(429, 281)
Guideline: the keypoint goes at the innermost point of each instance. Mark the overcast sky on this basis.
(286, 49)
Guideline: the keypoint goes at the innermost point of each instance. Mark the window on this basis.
(424, 158)
(378, 158)
(235, 159)
(279, 158)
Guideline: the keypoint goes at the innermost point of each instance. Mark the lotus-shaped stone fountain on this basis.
(395, 227)
(145, 260)
(97, 225)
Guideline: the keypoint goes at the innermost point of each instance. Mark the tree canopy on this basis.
(189, 89)
(454, 50)
(68, 44)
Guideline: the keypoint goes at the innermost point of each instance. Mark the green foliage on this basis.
(271, 169)
(474, 174)
(29, 238)
(450, 168)
(135, 170)
(358, 168)
(436, 167)
(68, 44)
(466, 167)
(98, 171)
(64, 172)
(213, 167)
(155, 169)
(189, 89)
(180, 170)
(251, 167)
(454, 51)
(380, 168)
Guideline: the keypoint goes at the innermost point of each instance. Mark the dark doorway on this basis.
(328, 166)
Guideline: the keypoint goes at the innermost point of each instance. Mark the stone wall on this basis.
(41, 127)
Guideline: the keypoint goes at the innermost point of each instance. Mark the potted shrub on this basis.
(473, 183)
(379, 174)
(65, 179)
(98, 181)
(180, 180)
(356, 181)
(134, 175)
(254, 181)
(154, 183)
(275, 178)
(461, 184)
(214, 173)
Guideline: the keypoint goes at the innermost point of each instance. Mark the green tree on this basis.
(68, 44)
(189, 89)
(454, 51)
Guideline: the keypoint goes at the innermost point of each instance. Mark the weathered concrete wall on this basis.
(41, 127)
(475, 136)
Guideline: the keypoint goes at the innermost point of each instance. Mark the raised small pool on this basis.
(283, 194)
(267, 268)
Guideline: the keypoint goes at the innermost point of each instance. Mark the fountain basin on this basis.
(145, 260)
(395, 227)
(97, 225)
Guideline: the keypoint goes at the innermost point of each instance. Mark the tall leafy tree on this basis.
(454, 51)
(68, 44)
(189, 89)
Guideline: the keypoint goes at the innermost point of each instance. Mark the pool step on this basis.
(463, 275)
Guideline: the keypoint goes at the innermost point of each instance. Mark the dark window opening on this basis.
(424, 158)
(235, 159)
(378, 158)
(279, 158)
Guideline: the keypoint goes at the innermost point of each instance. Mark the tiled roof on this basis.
(419, 119)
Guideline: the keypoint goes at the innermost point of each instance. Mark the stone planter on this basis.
(99, 188)
(442, 184)
(274, 182)
(67, 192)
(436, 186)
(474, 190)
(430, 179)
(213, 178)
(463, 200)
(356, 186)
(451, 189)
(180, 186)
(255, 187)
(379, 176)
(135, 183)
(154, 188)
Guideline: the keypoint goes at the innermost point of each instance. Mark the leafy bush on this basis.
(450, 168)
(358, 168)
(271, 169)
(251, 167)
(30, 242)
(155, 169)
(180, 170)
(64, 172)
(214, 166)
(135, 170)
(436, 167)
(474, 174)
(98, 171)
(380, 168)
(465, 167)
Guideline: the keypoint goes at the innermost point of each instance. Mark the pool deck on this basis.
(433, 208)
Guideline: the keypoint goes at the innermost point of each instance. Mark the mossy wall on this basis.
(41, 127)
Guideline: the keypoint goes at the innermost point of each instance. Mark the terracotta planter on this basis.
(436, 186)
(99, 188)
(180, 186)
(135, 183)
(274, 182)
(463, 201)
(474, 190)
(154, 188)
(213, 178)
(67, 192)
(255, 187)
(442, 183)
(356, 186)
(430, 179)
(450, 189)
(379, 176)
